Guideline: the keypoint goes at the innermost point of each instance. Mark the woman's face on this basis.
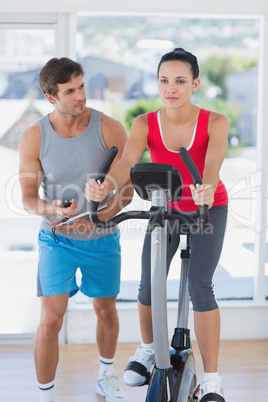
(176, 84)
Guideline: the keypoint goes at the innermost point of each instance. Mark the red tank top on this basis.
(197, 150)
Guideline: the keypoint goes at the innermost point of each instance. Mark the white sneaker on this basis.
(137, 372)
(211, 391)
(109, 386)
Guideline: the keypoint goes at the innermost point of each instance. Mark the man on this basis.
(58, 155)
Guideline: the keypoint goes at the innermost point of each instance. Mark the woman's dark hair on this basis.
(58, 71)
(180, 54)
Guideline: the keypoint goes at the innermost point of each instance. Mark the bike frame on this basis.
(169, 382)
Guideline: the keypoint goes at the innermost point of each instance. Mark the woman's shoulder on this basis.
(141, 120)
(139, 127)
(217, 122)
(216, 118)
(145, 117)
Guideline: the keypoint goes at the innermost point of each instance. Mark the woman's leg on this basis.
(146, 325)
(205, 254)
(207, 330)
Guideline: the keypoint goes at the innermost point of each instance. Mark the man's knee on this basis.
(53, 309)
(50, 326)
(107, 312)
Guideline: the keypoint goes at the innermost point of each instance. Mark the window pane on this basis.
(120, 55)
(22, 54)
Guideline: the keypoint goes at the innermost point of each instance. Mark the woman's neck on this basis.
(182, 116)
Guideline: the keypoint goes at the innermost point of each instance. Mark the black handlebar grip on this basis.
(203, 209)
(204, 218)
(107, 163)
(93, 206)
(190, 166)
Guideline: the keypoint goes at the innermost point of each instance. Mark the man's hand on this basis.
(69, 212)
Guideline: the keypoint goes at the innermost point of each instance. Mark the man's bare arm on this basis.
(30, 173)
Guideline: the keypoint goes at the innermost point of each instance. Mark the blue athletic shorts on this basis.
(99, 261)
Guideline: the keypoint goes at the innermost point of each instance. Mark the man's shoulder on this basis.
(105, 118)
(31, 136)
(109, 122)
(32, 131)
(113, 131)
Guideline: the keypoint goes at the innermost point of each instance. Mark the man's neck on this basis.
(69, 126)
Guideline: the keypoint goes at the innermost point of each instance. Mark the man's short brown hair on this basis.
(58, 71)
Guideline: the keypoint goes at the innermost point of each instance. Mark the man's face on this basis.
(71, 97)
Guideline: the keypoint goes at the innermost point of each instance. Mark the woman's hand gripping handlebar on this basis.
(203, 209)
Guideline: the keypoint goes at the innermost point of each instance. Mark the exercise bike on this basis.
(173, 377)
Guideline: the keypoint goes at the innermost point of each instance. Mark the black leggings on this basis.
(205, 254)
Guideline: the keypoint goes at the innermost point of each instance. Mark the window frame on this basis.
(64, 25)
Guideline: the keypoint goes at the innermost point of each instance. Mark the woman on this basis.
(180, 124)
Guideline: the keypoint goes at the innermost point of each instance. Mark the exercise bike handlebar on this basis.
(204, 217)
(103, 170)
(93, 208)
(203, 209)
(108, 160)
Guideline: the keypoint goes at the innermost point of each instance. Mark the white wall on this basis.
(205, 7)
(238, 321)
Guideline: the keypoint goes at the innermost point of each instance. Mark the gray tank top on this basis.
(67, 165)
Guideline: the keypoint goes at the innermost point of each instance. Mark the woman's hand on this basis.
(203, 194)
(94, 191)
(69, 212)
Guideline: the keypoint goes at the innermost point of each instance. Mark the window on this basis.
(227, 50)
(23, 50)
(120, 55)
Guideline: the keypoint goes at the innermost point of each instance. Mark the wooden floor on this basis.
(243, 366)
